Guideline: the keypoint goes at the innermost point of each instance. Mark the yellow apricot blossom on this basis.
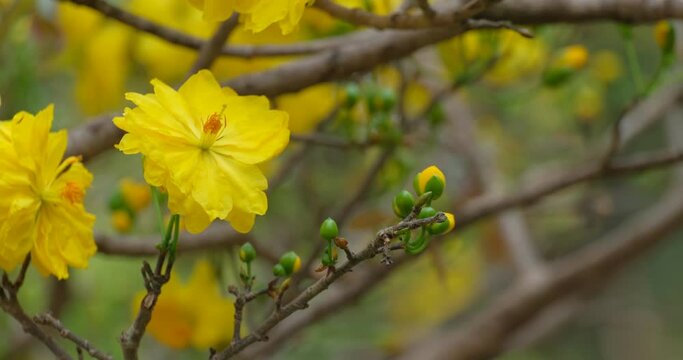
(41, 198)
(202, 144)
(193, 313)
(256, 14)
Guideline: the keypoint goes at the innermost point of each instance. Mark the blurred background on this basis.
(511, 112)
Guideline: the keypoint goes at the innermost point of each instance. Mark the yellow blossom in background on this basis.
(257, 15)
(574, 57)
(202, 144)
(308, 107)
(137, 195)
(662, 32)
(606, 66)
(193, 313)
(516, 56)
(121, 221)
(263, 13)
(589, 102)
(99, 49)
(434, 287)
(41, 198)
(102, 74)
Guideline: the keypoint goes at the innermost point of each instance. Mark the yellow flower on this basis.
(286, 13)
(137, 195)
(663, 33)
(217, 10)
(193, 313)
(102, 74)
(202, 144)
(606, 66)
(41, 198)
(574, 57)
(121, 221)
(257, 14)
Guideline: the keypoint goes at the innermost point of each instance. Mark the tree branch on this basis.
(485, 335)
(301, 301)
(51, 321)
(442, 16)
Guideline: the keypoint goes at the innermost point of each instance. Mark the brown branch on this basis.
(180, 38)
(468, 215)
(154, 280)
(440, 17)
(486, 334)
(217, 236)
(301, 301)
(51, 321)
(486, 206)
(357, 57)
(211, 49)
(241, 299)
(579, 11)
(10, 304)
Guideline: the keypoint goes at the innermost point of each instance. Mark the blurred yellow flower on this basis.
(102, 74)
(516, 55)
(41, 198)
(263, 13)
(137, 195)
(574, 57)
(606, 66)
(121, 221)
(256, 14)
(308, 107)
(589, 103)
(202, 144)
(663, 33)
(193, 313)
(99, 49)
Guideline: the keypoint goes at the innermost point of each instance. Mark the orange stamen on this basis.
(213, 124)
(73, 192)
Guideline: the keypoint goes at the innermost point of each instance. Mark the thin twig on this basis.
(51, 321)
(211, 49)
(301, 301)
(10, 304)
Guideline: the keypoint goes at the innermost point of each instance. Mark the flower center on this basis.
(72, 192)
(213, 124)
(212, 129)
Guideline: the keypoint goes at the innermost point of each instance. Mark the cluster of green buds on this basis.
(429, 185)
(130, 198)
(247, 255)
(289, 263)
(379, 103)
(329, 231)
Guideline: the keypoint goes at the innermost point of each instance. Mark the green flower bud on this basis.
(403, 204)
(328, 229)
(279, 270)
(387, 97)
(442, 227)
(290, 262)
(247, 252)
(426, 212)
(351, 95)
(330, 260)
(430, 179)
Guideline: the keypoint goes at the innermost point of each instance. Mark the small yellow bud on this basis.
(662, 32)
(430, 179)
(574, 57)
(121, 221)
